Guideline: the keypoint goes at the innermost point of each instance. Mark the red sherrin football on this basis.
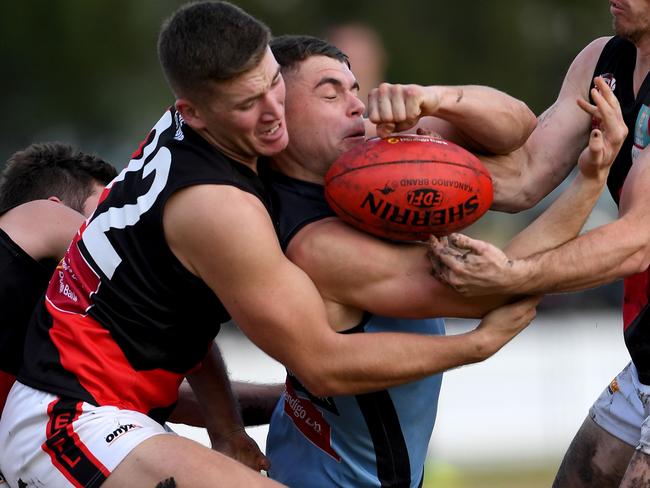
(407, 187)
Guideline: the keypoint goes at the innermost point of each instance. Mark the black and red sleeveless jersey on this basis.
(616, 64)
(123, 321)
(22, 283)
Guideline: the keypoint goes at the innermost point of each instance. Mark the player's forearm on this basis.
(187, 409)
(520, 182)
(602, 255)
(362, 363)
(215, 398)
(493, 121)
(257, 401)
(562, 221)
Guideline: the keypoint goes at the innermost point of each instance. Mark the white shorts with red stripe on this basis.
(57, 442)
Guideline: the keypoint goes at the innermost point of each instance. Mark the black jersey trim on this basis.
(393, 464)
(289, 222)
(637, 341)
(16, 250)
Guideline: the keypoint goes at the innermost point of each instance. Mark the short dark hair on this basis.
(209, 41)
(289, 50)
(50, 169)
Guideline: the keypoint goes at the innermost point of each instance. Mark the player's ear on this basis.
(190, 113)
(54, 199)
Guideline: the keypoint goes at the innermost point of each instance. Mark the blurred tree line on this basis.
(86, 72)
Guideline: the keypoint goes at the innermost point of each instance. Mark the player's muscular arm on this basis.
(256, 403)
(357, 270)
(475, 267)
(479, 118)
(612, 251)
(564, 219)
(42, 228)
(235, 251)
(524, 177)
(220, 411)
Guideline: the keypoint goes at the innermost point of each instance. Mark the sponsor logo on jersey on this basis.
(641, 131)
(120, 431)
(179, 121)
(309, 421)
(611, 83)
(609, 79)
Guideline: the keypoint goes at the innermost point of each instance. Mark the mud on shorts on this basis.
(623, 409)
(58, 442)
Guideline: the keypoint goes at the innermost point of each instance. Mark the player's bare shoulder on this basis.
(584, 64)
(42, 228)
(194, 220)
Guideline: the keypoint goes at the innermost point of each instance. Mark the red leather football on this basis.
(408, 186)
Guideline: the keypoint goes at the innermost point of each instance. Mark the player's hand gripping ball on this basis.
(409, 186)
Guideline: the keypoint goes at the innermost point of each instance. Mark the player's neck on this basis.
(643, 55)
(249, 161)
(286, 165)
(642, 66)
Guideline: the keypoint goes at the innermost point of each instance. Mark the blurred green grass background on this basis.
(438, 475)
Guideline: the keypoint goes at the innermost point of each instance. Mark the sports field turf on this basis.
(502, 476)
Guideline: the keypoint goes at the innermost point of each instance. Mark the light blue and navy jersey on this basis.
(372, 440)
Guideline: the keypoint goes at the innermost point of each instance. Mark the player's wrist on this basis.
(435, 99)
(483, 343)
(221, 436)
(524, 274)
(595, 178)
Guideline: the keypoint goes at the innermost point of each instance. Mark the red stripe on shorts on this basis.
(68, 454)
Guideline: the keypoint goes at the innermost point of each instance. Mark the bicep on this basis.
(357, 270)
(524, 177)
(270, 298)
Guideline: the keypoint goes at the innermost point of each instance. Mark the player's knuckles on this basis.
(399, 115)
(373, 113)
(412, 91)
(383, 90)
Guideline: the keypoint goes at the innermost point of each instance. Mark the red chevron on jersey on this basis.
(74, 281)
(637, 289)
(88, 351)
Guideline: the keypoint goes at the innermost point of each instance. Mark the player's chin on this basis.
(348, 143)
(269, 146)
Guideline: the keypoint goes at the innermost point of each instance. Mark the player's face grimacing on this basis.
(324, 113)
(245, 118)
